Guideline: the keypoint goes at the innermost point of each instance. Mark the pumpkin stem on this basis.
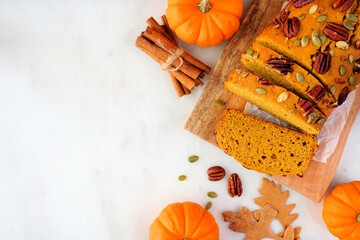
(358, 218)
(204, 6)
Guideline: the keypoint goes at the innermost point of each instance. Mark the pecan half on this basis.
(283, 15)
(234, 185)
(291, 27)
(301, 3)
(263, 81)
(336, 32)
(343, 95)
(356, 68)
(306, 106)
(216, 173)
(317, 93)
(282, 65)
(357, 44)
(343, 5)
(322, 62)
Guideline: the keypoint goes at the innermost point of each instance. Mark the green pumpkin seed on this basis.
(208, 205)
(193, 158)
(302, 16)
(321, 18)
(332, 53)
(297, 42)
(316, 41)
(352, 81)
(351, 59)
(333, 89)
(244, 74)
(260, 91)
(299, 77)
(212, 194)
(182, 178)
(249, 52)
(349, 26)
(276, 26)
(323, 38)
(304, 41)
(219, 102)
(330, 95)
(351, 17)
(310, 120)
(313, 114)
(256, 55)
(238, 71)
(321, 121)
(313, 9)
(315, 33)
(342, 45)
(342, 70)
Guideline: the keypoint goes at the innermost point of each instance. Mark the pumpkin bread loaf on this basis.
(262, 146)
(286, 73)
(276, 100)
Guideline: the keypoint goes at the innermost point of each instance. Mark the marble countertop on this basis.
(91, 130)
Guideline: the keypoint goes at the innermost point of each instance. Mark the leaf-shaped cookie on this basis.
(245, 222)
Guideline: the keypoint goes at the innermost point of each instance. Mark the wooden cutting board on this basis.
(203, 119)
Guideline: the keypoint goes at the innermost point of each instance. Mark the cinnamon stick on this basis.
(198, 82)
(143, 44)
(154, 24)
(187, 91)
(177, 85)
(185, 67)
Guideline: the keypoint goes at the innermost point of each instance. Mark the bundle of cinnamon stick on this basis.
(185, 71)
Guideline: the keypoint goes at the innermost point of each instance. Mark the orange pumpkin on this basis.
(341, 211)
(204, 22)
(184, 221)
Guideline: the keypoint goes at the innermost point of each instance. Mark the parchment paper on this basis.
(329, 135)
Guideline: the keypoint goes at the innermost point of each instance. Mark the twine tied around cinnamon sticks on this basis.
(185, 71)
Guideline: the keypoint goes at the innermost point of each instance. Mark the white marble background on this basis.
(91, 131)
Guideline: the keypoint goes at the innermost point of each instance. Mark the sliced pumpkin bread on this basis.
(277, 101)
(262, 146)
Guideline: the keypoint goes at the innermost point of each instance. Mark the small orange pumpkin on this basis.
(204, 22)
(341, 211)
(184, 221)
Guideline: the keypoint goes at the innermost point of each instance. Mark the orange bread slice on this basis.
(277, 101)
(264, 147)
(296, 79)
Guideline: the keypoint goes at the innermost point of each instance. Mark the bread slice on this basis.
(262, 146)
(308, 87)
(276, 100)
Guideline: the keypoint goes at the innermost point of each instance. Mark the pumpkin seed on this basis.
(304, 41)
(352, 81)
(182, 178)
(316, 41)
(330, 95)
(349, 26)
(260, 91)
(302, 16)
(244, 74)
(323, 38)
(332, 53)
(249, 52)
(351, 17)
(342, 45)
(256, 55)
(238, 71)
(193, 158)
(315, 33)
(208, 205)
(321, 18)
(313, 114)
(276, 26)
(219, 102)
(212, 194)
(310, 120)
(351, 59)
(342, 70)
(321, 121)
(313, 9)
(299, 77)
(283, 97)
(333, 89)
(297, 42)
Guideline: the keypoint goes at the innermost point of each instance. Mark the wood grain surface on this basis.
(202, 121)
